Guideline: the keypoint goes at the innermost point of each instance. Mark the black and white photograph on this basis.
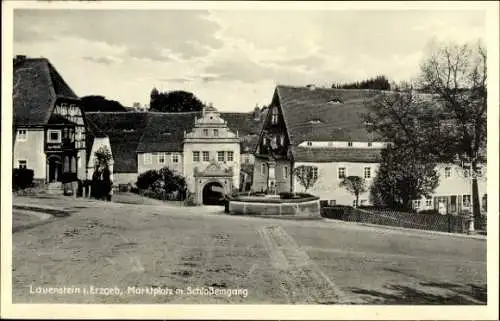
(300, 156)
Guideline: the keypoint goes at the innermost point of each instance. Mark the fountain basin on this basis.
(286, 205)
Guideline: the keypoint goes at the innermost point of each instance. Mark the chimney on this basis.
(311, 87)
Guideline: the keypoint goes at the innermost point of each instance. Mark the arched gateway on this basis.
(212, 194)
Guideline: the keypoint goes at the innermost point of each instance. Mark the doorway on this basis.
(55, 169)
(213, 193)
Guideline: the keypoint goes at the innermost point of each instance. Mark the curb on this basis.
(393, 228)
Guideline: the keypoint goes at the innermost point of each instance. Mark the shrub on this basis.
(147, 179)
(22, 178)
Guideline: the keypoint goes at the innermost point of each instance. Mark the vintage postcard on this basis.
(250, 160)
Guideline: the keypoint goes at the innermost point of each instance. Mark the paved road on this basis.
(160, 254)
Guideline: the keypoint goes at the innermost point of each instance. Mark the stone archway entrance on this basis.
(212, 193)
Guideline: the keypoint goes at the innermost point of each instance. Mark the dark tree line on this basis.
(378, 83)
(100, 103)
(174, 101)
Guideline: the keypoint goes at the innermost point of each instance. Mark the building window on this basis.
(479, 172)
(349, 144)
(447, 172)
(466, 200)
(230, 156)
(54, 136)
(175, 158)
(161, 158)
(416, 203)
(364, 202)
(274, 116)
(78, 162)
(220, 156)
(22, 164)
(368, 172)
(428, 202)
(285, 171)
(246, 159)
(205, 132)
(263, 169)
(216, 132)
(332, 202)
(466, 173)
(369, 144)
(22, 135)
(147, 158)
(206, 156)
(315, 172)
(341, 172)
(196, 156)
(309, 143)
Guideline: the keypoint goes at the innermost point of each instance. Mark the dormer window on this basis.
(369, 144)
(315, 121)
(349, 144)
(309, 143)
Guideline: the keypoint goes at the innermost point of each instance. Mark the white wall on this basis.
(327, 186)
(31, 150)
(212, 147)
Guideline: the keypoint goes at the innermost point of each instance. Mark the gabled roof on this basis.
(36, 85)
(327, 155)
(124, 130)
(324, 114)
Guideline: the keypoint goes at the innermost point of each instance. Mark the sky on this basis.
(233, 58)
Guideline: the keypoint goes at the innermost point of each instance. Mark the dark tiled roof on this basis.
(248, 129)
(165, 131)
(316, 114)
(326, 155)
(124, 130)
(36, 86)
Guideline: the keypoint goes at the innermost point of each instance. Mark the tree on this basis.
(306, 175)
(457, 75)
(378, 83)
(95, 103)
(411, 122)
(402, 177)
(354, 185)
(101, 178)
(147, 179)
(175, 101)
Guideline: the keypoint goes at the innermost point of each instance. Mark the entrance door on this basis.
(55, 169)
(213, 193)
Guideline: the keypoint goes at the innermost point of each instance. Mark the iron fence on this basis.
(430, 222)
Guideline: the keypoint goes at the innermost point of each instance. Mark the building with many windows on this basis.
(322, 128)
(212, 150)
(49, 128)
